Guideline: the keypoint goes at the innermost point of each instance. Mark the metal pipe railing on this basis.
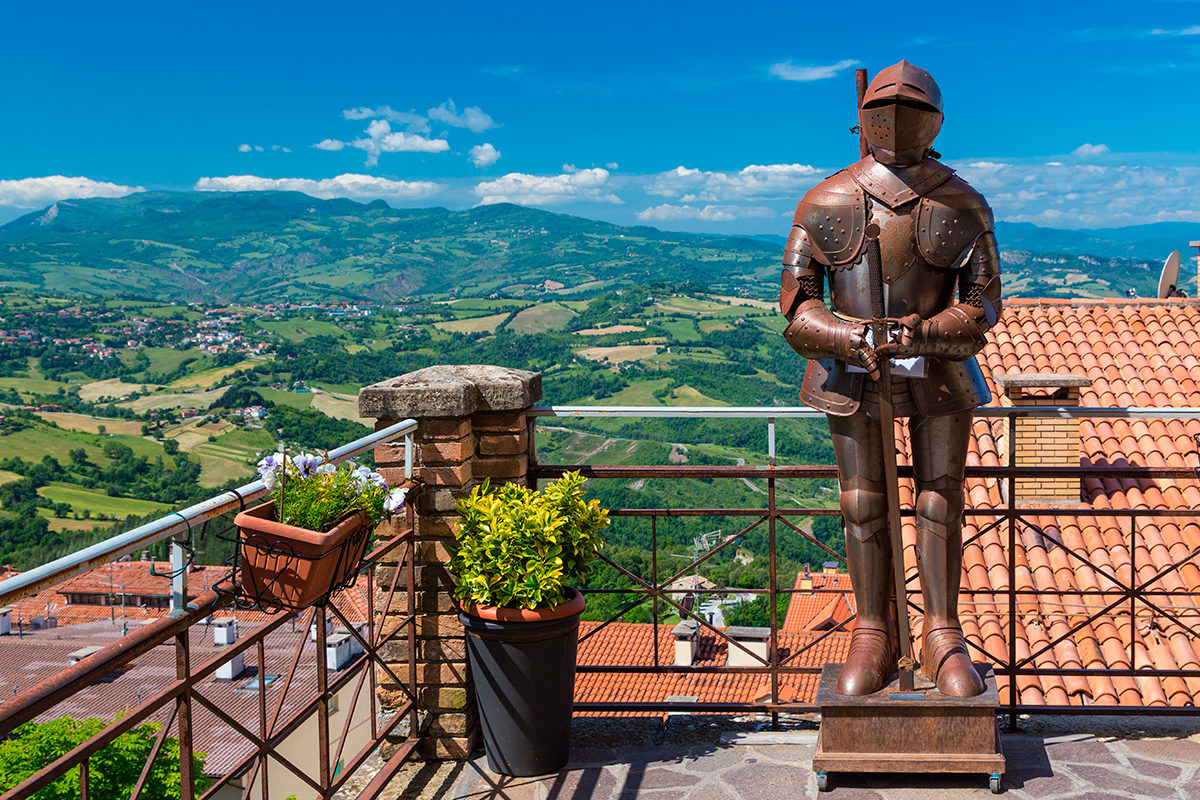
(171, 525)
(807, 412)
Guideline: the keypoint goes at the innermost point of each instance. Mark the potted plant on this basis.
(516, 553)
(309, 539)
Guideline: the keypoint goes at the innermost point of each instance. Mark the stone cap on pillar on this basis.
(451, 391)
(1062, 385)
(1040, 380)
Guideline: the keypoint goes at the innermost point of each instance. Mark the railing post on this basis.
(472, 425)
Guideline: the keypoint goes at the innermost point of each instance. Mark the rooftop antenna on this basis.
(1168, 281)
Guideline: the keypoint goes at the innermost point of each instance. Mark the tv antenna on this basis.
(1168, 281)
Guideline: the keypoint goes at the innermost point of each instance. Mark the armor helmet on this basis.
(901, 114)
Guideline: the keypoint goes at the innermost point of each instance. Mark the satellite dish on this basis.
(1169, 279)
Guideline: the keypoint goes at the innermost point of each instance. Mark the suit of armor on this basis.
(941, 290)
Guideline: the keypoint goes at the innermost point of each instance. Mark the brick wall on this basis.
(1045, 441)
(472, 425)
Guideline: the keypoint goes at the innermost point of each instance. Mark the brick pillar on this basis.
(1045, 441)
(472, 425)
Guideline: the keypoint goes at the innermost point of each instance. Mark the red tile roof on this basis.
(1071, 563)
(1137, 353)
(632, 644)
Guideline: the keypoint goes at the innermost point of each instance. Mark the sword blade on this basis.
(887, 435)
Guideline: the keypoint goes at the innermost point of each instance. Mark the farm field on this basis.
(609, 329)
(89, 424)
(619, 353)
(97, 502)
(158, 402)
(541, 318)
(209, 377)
(485, 324)
(111, 389)
(297, 330)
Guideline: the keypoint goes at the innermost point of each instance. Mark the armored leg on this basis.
(939, 449)
(873, 647)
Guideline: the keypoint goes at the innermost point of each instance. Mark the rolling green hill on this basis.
(286, 246)
(275, 246)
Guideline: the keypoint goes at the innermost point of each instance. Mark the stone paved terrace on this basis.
(690, 757)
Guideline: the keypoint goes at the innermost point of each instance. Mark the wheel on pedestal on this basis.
(994, 783)
(822, 782)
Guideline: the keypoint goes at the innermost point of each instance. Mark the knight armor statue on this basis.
(941, 291)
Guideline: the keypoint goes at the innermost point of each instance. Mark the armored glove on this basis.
(815, 333)
(955, 334)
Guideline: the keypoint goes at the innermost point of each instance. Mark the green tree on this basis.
(114, 770)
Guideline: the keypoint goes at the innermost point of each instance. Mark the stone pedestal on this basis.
(472, 425)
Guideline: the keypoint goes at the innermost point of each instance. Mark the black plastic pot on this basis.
(523, 667)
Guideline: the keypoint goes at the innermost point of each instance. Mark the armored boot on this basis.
(871, 662)
(945, 659)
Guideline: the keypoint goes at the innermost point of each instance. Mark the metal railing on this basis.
(284, 710)
(1118, 600)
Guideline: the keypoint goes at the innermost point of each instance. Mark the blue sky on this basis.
(699, 116)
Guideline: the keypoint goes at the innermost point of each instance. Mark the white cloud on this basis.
(1089, 150)
(411, 120)
(1083, 195)
(38, 192)
(788, 71)
(710, 213)
(754, 181)
(585, 185)
(1191, 30)
(612, 165)
(258, 148)
(484, 155)
(357, 187)
(381, 138)
(472, 118)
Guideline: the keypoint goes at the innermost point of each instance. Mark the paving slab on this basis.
(616, 759)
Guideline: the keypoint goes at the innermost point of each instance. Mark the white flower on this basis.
(325, 469)
(395, 500)
(272, 462)
(361, 477)
(269, 479)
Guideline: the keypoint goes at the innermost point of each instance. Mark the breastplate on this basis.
(911, 284)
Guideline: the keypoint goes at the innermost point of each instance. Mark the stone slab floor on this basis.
(698, 758)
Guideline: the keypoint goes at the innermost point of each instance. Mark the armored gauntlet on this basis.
(815, 333)
(955, 334)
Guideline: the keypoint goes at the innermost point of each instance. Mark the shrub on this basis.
(520, 548)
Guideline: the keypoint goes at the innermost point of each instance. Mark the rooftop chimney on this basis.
(224, 631)
(5, 621)
(83, 652)
(687, 636)
(339, 651)
(829, 568)
(1044, 441)
(312, 629)
(753, 639)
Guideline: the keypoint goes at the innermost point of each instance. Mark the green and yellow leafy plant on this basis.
(521, 548)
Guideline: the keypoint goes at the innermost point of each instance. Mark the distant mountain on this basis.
(274, 246)
(1153, 242)
(263, 246)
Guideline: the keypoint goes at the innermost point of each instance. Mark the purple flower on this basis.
(307, 464)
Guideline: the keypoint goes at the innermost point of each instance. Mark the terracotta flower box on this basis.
(283, 566)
